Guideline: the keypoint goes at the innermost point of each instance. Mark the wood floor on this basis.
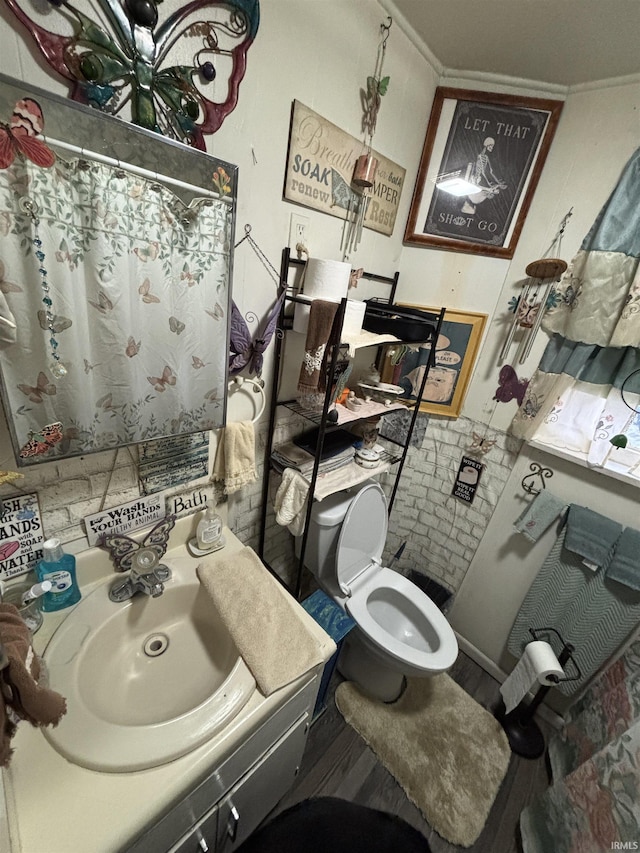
(338, 763)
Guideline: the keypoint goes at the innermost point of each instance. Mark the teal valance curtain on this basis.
(573, 401)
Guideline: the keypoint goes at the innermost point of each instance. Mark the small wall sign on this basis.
(467, 479)
(190, 501)
(21, 535)
(125, 518)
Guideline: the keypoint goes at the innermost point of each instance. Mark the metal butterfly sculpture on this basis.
(121, 58)
(126, 552)
(243, 348)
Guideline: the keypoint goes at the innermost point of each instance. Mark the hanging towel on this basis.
(235, 462)
(539, 515)
(625, 563)
(321, 317)
(21, 697)
(290, 502)
(261, 618)
(589, 611)
(591, 535)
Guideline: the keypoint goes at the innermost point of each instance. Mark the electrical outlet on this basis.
(298, 231)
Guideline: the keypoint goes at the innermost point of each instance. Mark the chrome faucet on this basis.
(148, 583)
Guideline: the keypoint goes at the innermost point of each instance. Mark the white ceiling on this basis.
(562, 42)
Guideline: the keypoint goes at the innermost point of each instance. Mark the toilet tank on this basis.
(324, 529)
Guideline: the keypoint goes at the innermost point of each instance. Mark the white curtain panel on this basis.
(139, 288)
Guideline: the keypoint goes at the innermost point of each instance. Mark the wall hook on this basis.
(537, 477)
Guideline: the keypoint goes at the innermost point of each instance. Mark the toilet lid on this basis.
(362, 537)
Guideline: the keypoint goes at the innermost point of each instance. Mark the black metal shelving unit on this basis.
(319, 418)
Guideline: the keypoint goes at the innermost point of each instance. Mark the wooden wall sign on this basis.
(320, 166)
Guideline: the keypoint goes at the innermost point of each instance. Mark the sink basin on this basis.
(146, 681)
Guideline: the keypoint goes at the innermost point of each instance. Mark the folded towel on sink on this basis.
(21, 696)
(264, 623)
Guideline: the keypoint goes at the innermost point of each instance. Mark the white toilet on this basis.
(399, 630)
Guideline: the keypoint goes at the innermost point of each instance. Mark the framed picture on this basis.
(456, 352)
(481, 162)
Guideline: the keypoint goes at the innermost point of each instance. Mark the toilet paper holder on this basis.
(566, 655)
(523, 733)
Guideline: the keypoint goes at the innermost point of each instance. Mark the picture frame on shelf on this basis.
(457, 349)
(481, 162)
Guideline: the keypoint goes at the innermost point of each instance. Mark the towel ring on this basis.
(529, 481)
(239, 383)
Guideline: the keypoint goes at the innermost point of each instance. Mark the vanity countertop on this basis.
(54, 806)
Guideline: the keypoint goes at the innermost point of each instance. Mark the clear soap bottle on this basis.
(60, 569)
(209, 530)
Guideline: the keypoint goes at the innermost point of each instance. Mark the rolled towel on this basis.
(539, 515)
(591, 535)
(625, 563)
(263, 621)
(21, 697)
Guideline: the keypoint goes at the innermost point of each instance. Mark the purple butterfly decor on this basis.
(246, 350)
(509, 386)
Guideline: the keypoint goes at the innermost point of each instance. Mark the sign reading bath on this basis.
(467, 479)
(125, 518)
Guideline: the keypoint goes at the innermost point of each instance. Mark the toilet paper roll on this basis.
(353, 318)
(323, 279)
(537, 663)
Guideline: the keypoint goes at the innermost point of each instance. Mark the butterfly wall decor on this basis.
(43, 441)
(20, 136)
(126, 552)
(123, 58)
(509, 386)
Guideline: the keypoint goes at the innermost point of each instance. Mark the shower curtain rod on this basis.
(136, 170)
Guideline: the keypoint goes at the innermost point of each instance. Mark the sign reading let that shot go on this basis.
(467, 479)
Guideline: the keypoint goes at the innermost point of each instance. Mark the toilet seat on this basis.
(362, 537)
(391, 611)
(390, 591)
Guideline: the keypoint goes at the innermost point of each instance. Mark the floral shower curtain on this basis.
(594, 801)
(573, 401)
(139, 287)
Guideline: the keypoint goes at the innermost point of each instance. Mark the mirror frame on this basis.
(95, 132)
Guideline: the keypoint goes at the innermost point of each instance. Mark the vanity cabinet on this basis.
(226, 807)
(429, 325)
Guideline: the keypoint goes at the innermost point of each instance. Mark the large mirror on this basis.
(115, 267)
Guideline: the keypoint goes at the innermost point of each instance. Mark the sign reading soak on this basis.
(320, 167)
(125, 518)
(21, 535)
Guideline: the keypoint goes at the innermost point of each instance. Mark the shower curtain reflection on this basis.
(139, 286)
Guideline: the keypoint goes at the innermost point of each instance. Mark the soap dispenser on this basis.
(208, 532)
(60, 569)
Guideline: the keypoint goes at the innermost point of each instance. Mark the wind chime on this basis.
(366, 166)
(542, 276)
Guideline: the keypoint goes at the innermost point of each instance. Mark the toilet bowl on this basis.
(399, 630)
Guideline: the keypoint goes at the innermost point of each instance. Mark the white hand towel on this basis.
(290, 502)
(235, 462)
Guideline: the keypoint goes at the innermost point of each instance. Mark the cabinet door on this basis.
(248, 803)
(202, 838)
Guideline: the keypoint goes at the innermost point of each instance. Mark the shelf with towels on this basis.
(320, 484)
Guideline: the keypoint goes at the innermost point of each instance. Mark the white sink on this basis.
(146, 681)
